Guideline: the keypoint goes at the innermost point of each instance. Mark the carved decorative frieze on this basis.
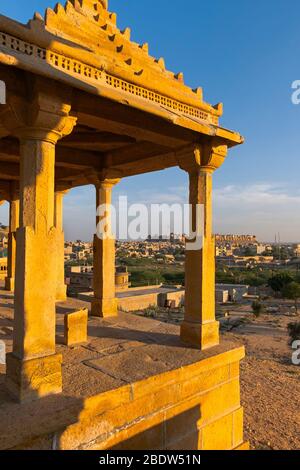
(93, 74)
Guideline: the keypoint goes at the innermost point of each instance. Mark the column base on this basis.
(10, 284)
(31, 380)
(61, 294)
(200, 336)
(104, 308)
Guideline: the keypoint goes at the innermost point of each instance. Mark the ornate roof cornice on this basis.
(80, 43)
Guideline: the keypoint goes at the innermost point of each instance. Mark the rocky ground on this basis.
(270, 384)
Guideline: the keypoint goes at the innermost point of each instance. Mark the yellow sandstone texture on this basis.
(86, 105)
(125, 393)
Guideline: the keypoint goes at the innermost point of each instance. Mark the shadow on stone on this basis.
(148, 337)
(35, 425)
(52, 423)
(177, 433)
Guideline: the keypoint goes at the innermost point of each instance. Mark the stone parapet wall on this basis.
(196, 407)
(138, 302)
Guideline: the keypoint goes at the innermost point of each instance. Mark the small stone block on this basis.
(76, 327)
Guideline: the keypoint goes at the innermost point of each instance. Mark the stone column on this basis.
(34, 368)
(105, 302)
(14, 216)
(61, 288)
(200, 328)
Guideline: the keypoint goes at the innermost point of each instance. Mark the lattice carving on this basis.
(93, 74)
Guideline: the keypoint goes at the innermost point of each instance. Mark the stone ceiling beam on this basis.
(65, 157)
(137, 166)
(80, 159)
(117, 118)
(5, 190)
(150, 135)
(9, 171)
(97, 138)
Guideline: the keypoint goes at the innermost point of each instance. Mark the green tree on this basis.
(278, 282)
(174, 278)
(292, 291)
(257, 308)
(248, 252)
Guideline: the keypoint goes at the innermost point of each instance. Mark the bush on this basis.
(175, 277)
(151, 311)
(292, 291)
(294, 331)
(257, 308)
(145, 277)
(278, 282)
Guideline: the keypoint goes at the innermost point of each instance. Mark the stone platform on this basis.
(133, 385)
(141, 298)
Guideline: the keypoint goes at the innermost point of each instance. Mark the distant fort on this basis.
(220, 239)
(237, 239)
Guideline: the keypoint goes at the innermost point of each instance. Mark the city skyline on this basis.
(257, 188)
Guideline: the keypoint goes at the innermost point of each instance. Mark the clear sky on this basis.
(244, 53)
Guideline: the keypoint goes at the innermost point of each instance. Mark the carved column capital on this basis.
(205, 157)
(107, 177)
(107, 183)
(43, 113)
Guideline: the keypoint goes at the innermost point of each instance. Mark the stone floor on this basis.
(119, 351)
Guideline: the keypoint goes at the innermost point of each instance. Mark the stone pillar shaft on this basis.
(38, 118)
(105, 302)
(200, 272)
(61, 288)
(14, 217)
(34, 329)
(200, 328)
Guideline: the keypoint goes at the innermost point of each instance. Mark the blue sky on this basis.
(245, 54)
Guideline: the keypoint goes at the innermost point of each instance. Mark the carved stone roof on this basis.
(80, 43)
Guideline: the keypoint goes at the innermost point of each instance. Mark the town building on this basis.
(80, 279)
(231, 292)
(3, 269)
